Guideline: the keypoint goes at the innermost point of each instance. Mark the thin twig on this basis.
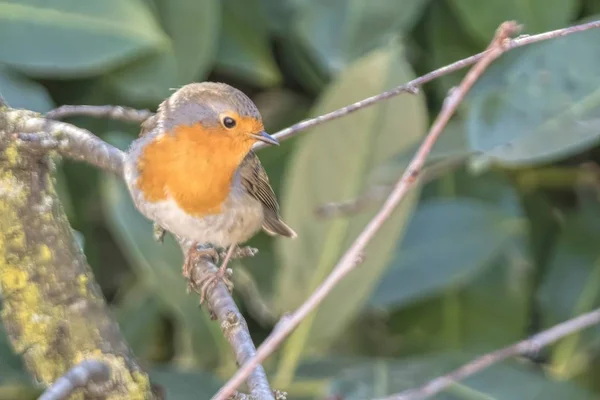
(80, 376)
(113, 112)
(408, 179)
(413, 85)
(222, 307)
(533, 344)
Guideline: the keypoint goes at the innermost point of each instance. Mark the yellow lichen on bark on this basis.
(53, 310)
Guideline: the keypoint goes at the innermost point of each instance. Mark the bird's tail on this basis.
(275, 226)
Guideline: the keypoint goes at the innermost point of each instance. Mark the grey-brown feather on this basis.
(256, 182)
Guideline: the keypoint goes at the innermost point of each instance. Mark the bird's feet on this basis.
(208, 283)
(194, 254)
(158, 232)
(223, 274)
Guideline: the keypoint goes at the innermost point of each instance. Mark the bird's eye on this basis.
(228, 122)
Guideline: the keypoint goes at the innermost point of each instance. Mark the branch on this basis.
(408, 179)
(113, 112)
(415, 84)
(68, 140)
(83, 375)
(53, 310)
(533, 344)
(82, 145)
(233, 324)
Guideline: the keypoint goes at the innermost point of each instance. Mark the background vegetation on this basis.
(495, 246)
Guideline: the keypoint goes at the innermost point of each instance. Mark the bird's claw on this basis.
(194, 254)
(158, 232)
(211, 281)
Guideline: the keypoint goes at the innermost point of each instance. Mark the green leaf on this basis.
(12, 369)
(182, 385)
(21, 92)
(75, 38)
(443, 48)
(466, 235)
(501, 381)
(145, 82)
(159, 267)
(571, 286)
(193, 30)
(279, 15)
(332, 163)
(482, 18)
(538, 104)
(297, 61)
(341, 31)
(193, 27)
(591, 7)
(139, 316)
(469, 316)
(244, 48)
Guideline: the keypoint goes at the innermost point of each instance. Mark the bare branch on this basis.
(222, 307)
(68, 140)
(408, 179)
(81, 375)
(535, 343)
(413, 85)
(126, 114)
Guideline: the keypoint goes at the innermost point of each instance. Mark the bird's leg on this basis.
(221, 274)
(195, 252)
(158, 232)
(240, 252)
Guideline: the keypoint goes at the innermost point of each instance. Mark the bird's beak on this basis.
(265, 137)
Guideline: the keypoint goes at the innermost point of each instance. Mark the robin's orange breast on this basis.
(192, 165)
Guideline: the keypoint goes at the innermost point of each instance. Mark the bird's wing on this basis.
(148, 125)
(256, 182)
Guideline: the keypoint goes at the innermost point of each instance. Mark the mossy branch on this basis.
(53, 310)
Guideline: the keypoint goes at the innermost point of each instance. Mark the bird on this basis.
(193, 173)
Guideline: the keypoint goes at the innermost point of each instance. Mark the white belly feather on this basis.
(236, 224)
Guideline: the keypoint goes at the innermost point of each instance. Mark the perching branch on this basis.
(233, 324)
(83, 375)
(408, 179)
(535, 343)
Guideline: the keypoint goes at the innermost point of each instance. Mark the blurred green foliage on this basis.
(489, 250)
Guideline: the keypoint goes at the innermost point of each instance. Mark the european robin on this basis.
(193, 172)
